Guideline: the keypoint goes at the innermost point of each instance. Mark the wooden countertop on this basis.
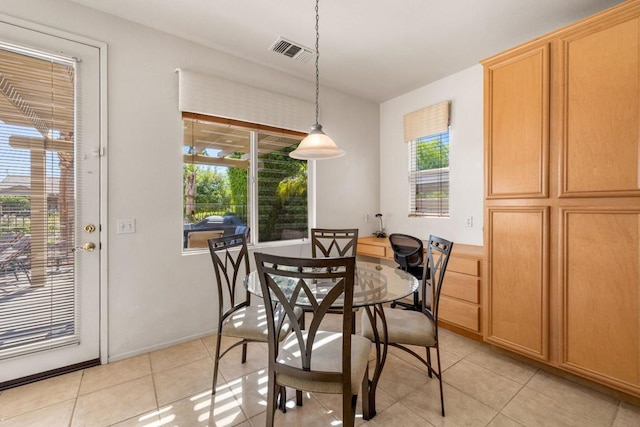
(458, 248)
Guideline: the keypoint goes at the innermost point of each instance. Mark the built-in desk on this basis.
(460, 300)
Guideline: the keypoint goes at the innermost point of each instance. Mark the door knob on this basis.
(89, 247)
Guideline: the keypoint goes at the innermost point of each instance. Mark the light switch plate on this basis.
(126, 226)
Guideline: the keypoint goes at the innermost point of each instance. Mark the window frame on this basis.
(255, 130)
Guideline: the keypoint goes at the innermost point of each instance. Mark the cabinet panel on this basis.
(517, 292)
(468, 266)
(461, 286)
(601, 290)
(371, 250)
(518, 126)
(459, 313)
(601, 110)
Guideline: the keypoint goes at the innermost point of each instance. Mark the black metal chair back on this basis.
(328, 243)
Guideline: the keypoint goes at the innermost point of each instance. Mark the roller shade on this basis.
(428, 121)
(214, 96)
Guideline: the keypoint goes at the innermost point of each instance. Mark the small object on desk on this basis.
(380, 232)
(378, 267)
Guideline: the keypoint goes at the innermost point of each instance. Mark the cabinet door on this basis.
(517, 125)
(517, 315)
(601, 294)
(600, 138)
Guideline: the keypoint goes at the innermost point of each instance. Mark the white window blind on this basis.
(427, 133)
(38, 303)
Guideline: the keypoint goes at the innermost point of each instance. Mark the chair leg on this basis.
(348, 409)
(440, 379)
(282, 399)
(244, 352)
(429, 368)
(272, 395)
(216, 362)
(299, 397)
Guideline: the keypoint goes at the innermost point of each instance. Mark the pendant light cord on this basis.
(317, 58)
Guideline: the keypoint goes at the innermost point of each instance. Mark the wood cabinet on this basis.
(562, 198)
(460, 299)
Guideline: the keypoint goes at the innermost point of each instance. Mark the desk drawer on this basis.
(461, 286)
(459, 313)
(470, 266)
(371, 250)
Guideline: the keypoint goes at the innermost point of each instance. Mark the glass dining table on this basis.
(374, 285)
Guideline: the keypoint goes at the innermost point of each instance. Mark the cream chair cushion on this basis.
(404, 327)
(326, 356)
(251, 323)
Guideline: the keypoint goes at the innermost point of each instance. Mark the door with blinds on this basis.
(49, 202)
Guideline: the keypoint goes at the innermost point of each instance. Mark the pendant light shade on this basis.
(317, 145)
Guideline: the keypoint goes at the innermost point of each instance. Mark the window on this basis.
(429, 176)
(426, 132)
(238, 177)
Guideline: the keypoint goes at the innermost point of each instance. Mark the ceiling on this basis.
(372, 49)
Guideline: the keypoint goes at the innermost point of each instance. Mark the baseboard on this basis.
(49, 374)
(160, 346)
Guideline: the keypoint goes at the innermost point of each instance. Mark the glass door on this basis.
(49, 202)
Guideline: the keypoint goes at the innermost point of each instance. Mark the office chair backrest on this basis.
(407, 250)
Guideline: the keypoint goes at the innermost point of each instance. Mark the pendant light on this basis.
(317, 145)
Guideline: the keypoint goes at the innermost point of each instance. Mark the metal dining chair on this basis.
(237, 318)
(419, 328)
(331, 243)
(312, 359)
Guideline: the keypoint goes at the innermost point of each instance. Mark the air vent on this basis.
(291, 49)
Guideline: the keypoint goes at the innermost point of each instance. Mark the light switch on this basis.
(126, 226)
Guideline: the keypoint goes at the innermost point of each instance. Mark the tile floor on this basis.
(171, 387)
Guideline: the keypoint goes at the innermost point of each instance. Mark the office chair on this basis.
(408, 253)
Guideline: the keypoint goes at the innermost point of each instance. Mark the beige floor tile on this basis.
(480, 383)
(195, 411)
(311, 414)
(257, 359)
(627, 416)
(251, 392)
(591, 404)
(532, 408)
(104, 376)
(147, 419)
(397, 415)
(457, 344)
(184, 381)
(37, 395)
(116, 403)
(447, 358)
(177, 355)
(460, 408)
(399, 378)
(54, 415)
(501, 364)
(504, 421)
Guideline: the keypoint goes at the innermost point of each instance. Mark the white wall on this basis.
(464, 89)
(157, 296)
